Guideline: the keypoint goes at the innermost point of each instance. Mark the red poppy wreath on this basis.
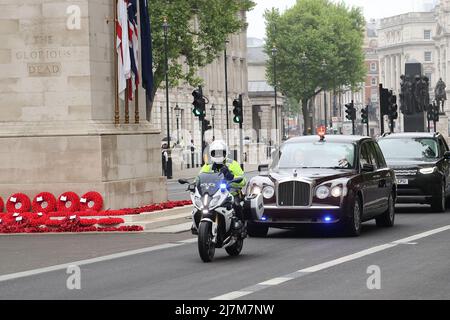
(91, 201)
(18, 202)
(44, 202)
(68, 202)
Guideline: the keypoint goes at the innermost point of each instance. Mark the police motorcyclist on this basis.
(231, 170)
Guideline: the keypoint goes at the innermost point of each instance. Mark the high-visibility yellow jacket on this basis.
(234, 168)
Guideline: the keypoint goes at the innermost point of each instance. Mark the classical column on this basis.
(387, 72)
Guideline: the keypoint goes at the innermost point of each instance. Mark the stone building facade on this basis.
(406, 38)
(262, 94)
(214, 89)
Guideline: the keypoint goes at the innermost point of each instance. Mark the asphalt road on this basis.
(177, 191)
(305, 264)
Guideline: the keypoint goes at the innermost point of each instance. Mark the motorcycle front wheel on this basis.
(206, 247)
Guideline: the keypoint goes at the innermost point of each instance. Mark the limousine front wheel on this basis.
(352, 225)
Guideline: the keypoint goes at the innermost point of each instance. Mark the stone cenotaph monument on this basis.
(57, 92)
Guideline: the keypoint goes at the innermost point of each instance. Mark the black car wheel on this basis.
(257, 231)
(388, 217)
(438, 202)
(352, 225)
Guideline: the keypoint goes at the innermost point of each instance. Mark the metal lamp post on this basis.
(274, 55)
(324, 65)
(304, 60)
(213, 115)
(226, 92)
(166, 73)
(177, 114)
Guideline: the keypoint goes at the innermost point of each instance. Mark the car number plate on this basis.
(402, 181)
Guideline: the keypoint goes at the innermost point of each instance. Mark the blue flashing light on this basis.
(263, 218)
(327, 219)
(223, 186)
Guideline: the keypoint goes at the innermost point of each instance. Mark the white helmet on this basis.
(218, 152)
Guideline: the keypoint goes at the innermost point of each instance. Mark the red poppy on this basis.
(110, 221)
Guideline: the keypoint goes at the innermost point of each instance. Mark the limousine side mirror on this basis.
(367, 167)
(263, 168)
(447, 155)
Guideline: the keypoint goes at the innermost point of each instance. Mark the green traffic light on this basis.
(237, 119)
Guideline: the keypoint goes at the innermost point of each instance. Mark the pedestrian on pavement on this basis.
(164, 159)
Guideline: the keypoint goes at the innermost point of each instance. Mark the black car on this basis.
(421, 165)
(333, 180)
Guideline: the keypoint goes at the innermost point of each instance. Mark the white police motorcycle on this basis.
(213, 215)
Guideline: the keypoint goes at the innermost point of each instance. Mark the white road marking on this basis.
(188, 241)
(64, 266)
(232, 295)
(421, 235)
(282, 279)
(351, 257)
(276, 281)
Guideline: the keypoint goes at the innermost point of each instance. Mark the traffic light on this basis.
(435, 113)
(393, 108)
(384, 100)
(238, 110)
(430, 113)
(365, 115)
(351, 111)
(199, 103)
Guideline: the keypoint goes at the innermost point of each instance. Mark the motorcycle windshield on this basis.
(209, 183)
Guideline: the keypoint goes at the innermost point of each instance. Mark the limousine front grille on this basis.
(294, 194)
(405, 172)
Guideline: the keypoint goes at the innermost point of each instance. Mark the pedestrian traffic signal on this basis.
(365, 115)
(238, 110)
(350, 111)
(199, 103)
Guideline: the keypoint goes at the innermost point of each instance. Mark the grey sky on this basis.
(372, 9)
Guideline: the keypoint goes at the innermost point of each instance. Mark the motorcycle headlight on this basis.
(198, 202)
(268, 192)
(428, 170)
(322, 192)
(215, 201)
(336, 192)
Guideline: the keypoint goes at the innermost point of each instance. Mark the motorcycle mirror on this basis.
(183, 181)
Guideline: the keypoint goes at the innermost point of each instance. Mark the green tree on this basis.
(197, 33)
(319, 47)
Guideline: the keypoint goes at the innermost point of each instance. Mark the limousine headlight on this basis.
(268, 192)
(322, 192)
(428, 170)
(336, 192)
